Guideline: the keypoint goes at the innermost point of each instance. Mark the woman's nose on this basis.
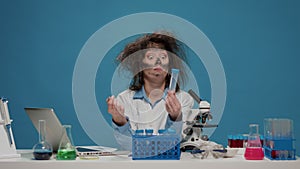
(158, 61)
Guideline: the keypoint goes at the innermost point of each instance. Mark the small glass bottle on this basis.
(149, 132)
(161, 131)
(254, 149)
(139, 132)
(66, 150)
(42, 150)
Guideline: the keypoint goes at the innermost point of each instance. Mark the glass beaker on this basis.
(42, 150)
(254, 149)
(66, 150)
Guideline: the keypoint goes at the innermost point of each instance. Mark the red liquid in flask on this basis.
(254, 149)
(254, 153)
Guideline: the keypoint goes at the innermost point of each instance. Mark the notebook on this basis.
(53, 125)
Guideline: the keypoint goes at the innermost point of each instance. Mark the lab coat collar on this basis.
(141, 94)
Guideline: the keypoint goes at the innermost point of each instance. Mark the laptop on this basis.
(53, 126)
(54, 132)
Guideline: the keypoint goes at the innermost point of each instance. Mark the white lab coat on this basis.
(141, 114)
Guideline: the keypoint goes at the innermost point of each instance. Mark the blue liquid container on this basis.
(42, 150)
(149, 132)
(139, 132)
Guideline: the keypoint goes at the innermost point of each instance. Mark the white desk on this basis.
(124, 162)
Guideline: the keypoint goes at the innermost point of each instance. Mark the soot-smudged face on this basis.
(156, 61)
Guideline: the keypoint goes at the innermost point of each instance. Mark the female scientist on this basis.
(148, 103)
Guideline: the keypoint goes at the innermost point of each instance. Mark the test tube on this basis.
(174, 78)
(229, 140)
(278, 128)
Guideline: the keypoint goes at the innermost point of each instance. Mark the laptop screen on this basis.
(53, 126)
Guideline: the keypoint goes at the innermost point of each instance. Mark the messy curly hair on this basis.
(137, 50)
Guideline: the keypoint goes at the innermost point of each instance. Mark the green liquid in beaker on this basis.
(66, 154)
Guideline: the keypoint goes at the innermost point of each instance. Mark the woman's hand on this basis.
(116, 110)
(173, 106)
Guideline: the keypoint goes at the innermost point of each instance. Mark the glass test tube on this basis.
(174, 78)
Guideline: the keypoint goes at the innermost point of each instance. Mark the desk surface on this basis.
(123, 161)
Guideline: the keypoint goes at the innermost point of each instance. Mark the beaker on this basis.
(277, 128)
(254, 149)
(42, 150)
(66, 150)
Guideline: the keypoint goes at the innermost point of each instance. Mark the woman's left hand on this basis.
(173, 106)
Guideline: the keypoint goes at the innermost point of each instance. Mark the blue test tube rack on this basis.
(164, 146)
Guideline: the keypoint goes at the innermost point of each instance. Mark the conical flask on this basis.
(254, 149)
(42, 150)
(66, 150)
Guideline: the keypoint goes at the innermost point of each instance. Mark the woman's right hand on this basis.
(116, 110)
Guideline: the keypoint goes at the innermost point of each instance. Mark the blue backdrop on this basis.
(257, 41)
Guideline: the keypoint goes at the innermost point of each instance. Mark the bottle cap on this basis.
(149, 131)
(175, 70)
(139, 131)
(161, 131)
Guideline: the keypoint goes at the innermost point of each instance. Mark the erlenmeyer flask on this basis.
(254, 149)
(66, 150)
(42, 150)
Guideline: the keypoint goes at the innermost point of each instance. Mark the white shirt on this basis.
(141, 114)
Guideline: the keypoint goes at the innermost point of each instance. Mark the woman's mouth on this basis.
(157, 69)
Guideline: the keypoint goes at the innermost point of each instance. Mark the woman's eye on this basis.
(150, 57)
(163, 56)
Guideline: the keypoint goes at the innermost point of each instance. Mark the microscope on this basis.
(194, 122)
